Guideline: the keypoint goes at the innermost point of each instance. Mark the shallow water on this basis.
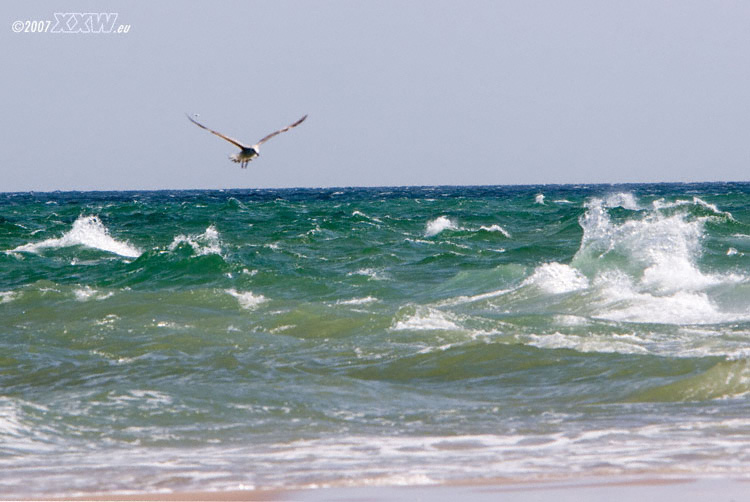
(251, 339)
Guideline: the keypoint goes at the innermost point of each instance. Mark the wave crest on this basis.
(87, 231)
(644, 268)
(439, 224)
(208, 242)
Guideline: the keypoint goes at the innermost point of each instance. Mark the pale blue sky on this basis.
(398, 93)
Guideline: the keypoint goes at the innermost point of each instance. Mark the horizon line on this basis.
(374, 187)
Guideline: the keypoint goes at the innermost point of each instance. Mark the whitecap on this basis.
(460, 300)
(247, 299)
(661, 249)
(539, 199)
(495, 228)
(418, 241)
(357, 301)
(208, 242)
(583, 343)
(7, 296)
(439, 224)
(88, 293)
(645, 269)
(625, 200)
(427, 318)
(87, 231)
(363, 215)
(622, 298)
(696, 201)
(171, 325)
(282, 328)
(682, 308)
(373, 274)
(556, 278)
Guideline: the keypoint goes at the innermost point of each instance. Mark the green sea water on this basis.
(239, 339)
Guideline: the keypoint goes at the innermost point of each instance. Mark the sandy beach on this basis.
(642, 489)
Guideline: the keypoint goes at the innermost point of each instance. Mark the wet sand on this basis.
(586, 490)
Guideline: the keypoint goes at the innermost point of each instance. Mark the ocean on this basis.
(155, 341)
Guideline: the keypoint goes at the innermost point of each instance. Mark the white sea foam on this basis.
(208, 242)
(556, 278)
(88, 293)
(419, 241)
(87, 231)
(710, 447)
(439, 224)
(7, 296)
(495, 228)
(427, 318)
(247, 299)
(282, 328)
(539, 199)
(645, 269)
(171, 325)
(144, 399)
(622, 298)
(584, 343)
(682, 307)
(363, 215)
(373, 274)
(531, 455)
(357, 301)
(625, 200)
(475, 298)
(696, 201)
(663, 247)
(18, 432)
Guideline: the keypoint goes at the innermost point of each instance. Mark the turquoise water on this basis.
(167, 341)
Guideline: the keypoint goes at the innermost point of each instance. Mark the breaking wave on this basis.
(646, 269)
(425, 318)
(625, 200)
(439, 224)
(639, 267)
(87, 231)
(555, 278)
(208, 242)
(495, 228)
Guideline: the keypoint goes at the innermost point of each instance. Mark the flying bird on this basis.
(246, 153)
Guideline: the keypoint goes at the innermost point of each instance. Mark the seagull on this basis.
(247, 153)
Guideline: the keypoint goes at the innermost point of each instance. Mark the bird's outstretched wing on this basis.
(233, 141)
(280, 131)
